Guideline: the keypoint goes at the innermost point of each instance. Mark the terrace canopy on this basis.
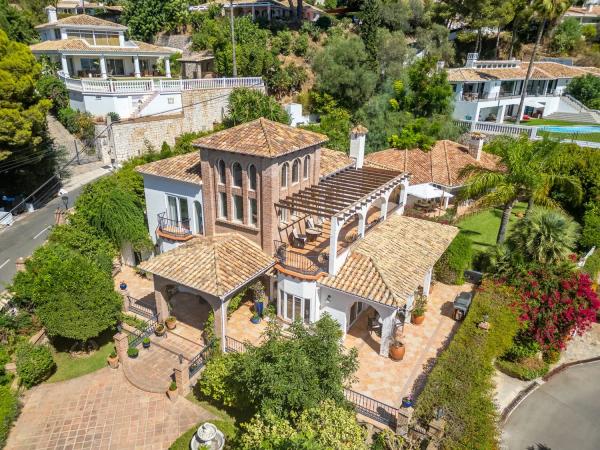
(427, 191)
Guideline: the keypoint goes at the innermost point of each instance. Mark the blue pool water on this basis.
(571, 129)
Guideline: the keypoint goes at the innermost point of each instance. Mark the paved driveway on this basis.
(100, 411)
(563, 414)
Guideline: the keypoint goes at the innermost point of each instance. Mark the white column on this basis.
(333, 238)
(362, 219)
(446, 200)
(403, 195)
(387, 331)
(383, 209)
(427, 282)
(65, 65)
(167, 67)
(63, 34)
(103, 67)
(269, 11)
(501, 113)
(252, 12)
(121, 39)
(136, 66)
(459, 91)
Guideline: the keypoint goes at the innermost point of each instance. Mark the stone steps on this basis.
(584, 117)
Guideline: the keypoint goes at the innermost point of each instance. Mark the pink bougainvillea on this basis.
(556, 304)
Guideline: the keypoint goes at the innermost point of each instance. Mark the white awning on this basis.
(427, 191)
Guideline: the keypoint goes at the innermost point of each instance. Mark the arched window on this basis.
(236, 174)
(221, 169)
(252, 176)
(284, 175)
(296, 171)
(306, 167)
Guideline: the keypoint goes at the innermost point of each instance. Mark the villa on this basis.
(589, 13)
(106, 73)
(265, 9)
(491, 90)
(323, 232)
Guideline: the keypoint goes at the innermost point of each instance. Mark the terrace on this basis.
(323, 221)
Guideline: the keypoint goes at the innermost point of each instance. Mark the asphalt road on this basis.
(26, 234)
(562, 414)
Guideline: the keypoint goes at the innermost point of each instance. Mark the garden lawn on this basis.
(482, 227)
(542, 122)
(68, 367)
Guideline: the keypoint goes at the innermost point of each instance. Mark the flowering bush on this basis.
(556, 303)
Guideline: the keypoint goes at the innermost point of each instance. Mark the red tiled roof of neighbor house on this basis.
(81, 44)
(332, 161)
(542, 70)
(182, 168)
(261, 137)
(441, 165)
(216, 265)
(391, 262)
(583, 11)
(81, 20)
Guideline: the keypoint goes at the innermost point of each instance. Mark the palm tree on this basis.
(546, 10)
(545, 236)
(525, 171)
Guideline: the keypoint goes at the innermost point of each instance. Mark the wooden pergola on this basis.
(343, 193)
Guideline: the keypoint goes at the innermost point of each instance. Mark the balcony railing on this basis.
(476, 97)
(174, 228)
(147, 85)
(304, 264)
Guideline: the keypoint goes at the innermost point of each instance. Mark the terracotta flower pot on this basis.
(397, 351)
(417, 320)
(113, 362)
(171, 323)
(172, 394)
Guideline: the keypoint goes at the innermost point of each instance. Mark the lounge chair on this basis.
(298, 240)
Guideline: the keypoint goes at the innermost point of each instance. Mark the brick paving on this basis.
(101, 410)
(388, 381)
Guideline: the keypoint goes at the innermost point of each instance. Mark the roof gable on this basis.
(182, 168)
(84, 20)
(261, 137)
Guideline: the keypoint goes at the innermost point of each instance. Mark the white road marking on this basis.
(41, 232)
(4, 263)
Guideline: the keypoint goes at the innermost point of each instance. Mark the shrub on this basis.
(132, 352)
(54, 89)
(34, 363)
(567, 36)
(589, 32)
(523, 347)
(213, 383)
(9, 410)
(551, 356)
(592, 265)
(456, 259)
(301, 45)
(173, 386)
(115, 117)
(527, 369)
(461, 381)
(590, 234)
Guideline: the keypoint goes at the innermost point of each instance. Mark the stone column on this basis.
(121, 345)
(136, 66)
(387, 331)
(182, 377)
(427, 282)
(65, 65)
(167, 67)
(220, 312)
(333, 239)
(160, 297)
(103, 67)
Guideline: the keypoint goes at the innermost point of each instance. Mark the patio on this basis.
(388, 381)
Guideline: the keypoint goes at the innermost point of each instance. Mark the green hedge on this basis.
(34, 363)
(528, 369)
(592, 265)
(461, 381)
(9, 410)
(456, 259)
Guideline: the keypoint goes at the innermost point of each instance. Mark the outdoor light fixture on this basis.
(180, 358)
(328, 299)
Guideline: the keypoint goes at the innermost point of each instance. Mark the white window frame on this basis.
(222, 195)
(178, 199)
(283, 307)
(234, 217)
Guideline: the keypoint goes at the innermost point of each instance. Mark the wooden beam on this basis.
(308, 209)
(329, 201)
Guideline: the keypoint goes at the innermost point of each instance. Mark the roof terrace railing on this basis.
(304, 264)
(175, 228)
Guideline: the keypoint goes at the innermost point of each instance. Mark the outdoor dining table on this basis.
(312, 235)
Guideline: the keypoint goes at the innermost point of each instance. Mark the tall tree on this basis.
(371, 18)
(522, 174)
(546, 10)
(246, 105)
(146, 18)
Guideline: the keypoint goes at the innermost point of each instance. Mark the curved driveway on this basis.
(562, 414)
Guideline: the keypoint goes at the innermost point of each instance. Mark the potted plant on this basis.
(160, 330)
(171, 322)
(258, 296)
(146, 342)
(418, 311)
(113, 360)
(123, 285)
(172, 391)
(397, 350)
(132, 352)
(407, 401)
(255, 319)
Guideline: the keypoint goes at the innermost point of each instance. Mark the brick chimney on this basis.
(51, 14)
(357, 144)
(475, 145)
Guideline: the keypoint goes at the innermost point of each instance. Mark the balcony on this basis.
(176, 230)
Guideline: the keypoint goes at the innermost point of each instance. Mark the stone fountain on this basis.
(207, 436)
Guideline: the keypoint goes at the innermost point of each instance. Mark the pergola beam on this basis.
(327, 200)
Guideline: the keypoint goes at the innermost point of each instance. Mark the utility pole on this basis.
(232, 37)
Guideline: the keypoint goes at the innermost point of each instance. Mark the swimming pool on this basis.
(571, 129)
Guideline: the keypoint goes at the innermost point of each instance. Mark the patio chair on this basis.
(298, 240)
(310, 225)
(373, 325)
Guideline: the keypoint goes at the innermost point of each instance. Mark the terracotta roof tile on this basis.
(82, 20)
(579, 11)
(82, 45)
(261, 137)
(542, 70)
(332, 161)
(182, 167)
(391, 262)
(441, 165)
(216, 265)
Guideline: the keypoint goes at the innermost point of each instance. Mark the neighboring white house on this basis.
(589, 13)
(264, 9)
(491, 90)
(105, 73)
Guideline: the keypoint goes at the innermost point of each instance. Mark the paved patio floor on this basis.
(388, 381)
(100, 410)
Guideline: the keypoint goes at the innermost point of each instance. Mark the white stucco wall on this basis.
(163, 103)
(299, 288)
(156, 190)
(101, 105)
